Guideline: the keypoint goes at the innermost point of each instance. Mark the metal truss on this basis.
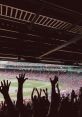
(27, 16)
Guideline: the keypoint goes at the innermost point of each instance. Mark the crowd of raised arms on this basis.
(40, 106)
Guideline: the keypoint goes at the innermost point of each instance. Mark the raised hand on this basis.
(4, 88)
(34, 89)
(46, 92)
(40, 92)
(54, 81)
(32, 94)
(57, 85)
(21, 78)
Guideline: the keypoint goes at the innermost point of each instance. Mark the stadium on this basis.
(40, 58)
(38, 74)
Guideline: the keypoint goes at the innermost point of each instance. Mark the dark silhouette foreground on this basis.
(40, 106)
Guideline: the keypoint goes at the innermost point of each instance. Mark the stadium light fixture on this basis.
(54, 20)
(25, 15)
(45, 21)
(40, 20)
(62, 25)
(59, 24)
(16, 13)
(66, 26)
(30, 14)
(6, 10)
(11, 11)
(21, 14)
(49, 21)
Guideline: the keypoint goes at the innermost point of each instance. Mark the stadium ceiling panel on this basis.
(40, 31)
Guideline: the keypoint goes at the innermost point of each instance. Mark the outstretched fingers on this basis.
(25, 79)
(9, 84)
(21, 78)
(4, 88)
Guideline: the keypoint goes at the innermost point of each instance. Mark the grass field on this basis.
(28, 87)
(65, 85)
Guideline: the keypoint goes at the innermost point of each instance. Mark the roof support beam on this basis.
(73, 40)
(73, 52)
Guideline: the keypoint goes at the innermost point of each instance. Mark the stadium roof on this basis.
(41, 31)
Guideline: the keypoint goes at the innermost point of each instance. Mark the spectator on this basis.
(60, 106)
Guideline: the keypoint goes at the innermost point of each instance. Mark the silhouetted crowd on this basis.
(40, 106)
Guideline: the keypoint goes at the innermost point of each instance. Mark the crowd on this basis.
(40, 106)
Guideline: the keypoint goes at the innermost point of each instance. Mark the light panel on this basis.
(20, 14)
(67, 26)
(25, 15)
(49, 22)
(11, 11)
(57, 22)
(58, 26)
(6, 10)
(16, 13)
(62, 25)
(40, 20)
(46, 20)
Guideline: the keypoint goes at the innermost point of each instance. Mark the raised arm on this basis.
(46, 93)
(58, 90)
(53, 85)
(21, 79)
(32, 94)
(38, 94)
(53, 106)
(4, 89)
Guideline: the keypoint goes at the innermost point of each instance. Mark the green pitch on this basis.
(28, 87)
